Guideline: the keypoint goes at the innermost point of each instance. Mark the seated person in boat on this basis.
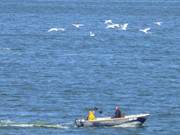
(91, 116)
(117, 113)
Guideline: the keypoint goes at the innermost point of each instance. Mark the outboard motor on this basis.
(79, 123)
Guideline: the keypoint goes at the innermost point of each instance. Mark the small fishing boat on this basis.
(126, 121)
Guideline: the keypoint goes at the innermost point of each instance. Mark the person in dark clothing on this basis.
(117, 113)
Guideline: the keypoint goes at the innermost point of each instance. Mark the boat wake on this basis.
(9, 124)
(5, 49)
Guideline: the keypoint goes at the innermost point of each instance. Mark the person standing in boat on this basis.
(117, 113)
(91, 116)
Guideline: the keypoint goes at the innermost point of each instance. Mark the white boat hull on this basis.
(126, 121)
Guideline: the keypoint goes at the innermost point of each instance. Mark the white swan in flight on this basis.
(158, 23)
(112, 26)
(145, 30)
(108, 22)
(91, 34)
(124, 26)
(77, 25)
(56, 29)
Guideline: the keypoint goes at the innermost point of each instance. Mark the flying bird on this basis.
(158, 23)
(77, 25)
(108, 22)
(91, 34)
(56, 29)
(145, 30)
(112, 26)
(124, 26)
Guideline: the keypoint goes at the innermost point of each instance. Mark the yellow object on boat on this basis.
(91, 116)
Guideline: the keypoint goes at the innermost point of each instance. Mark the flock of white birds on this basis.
(109, 25)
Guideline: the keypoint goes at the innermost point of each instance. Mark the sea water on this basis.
(52, 72)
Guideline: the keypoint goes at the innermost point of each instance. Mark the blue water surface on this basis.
(48, 79)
